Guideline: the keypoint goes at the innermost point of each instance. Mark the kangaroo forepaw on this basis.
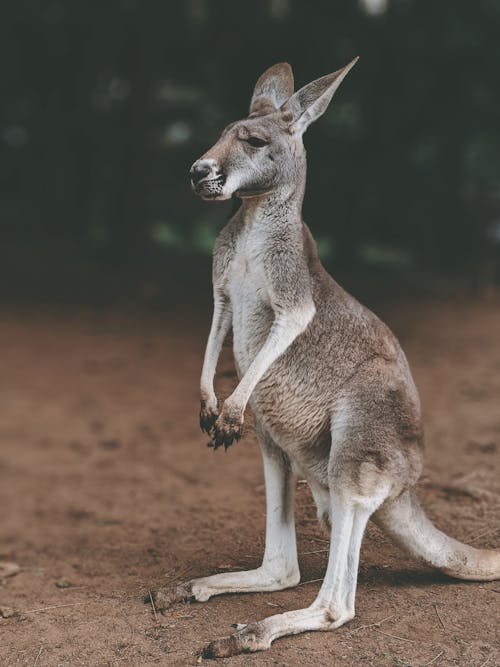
(227, 429)
(208, 417)
(166, 597)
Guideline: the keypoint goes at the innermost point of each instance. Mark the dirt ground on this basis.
(107, 491)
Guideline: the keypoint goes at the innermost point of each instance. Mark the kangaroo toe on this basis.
(244, 641)
(169, 595)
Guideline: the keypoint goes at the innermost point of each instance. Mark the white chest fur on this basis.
(249, 295)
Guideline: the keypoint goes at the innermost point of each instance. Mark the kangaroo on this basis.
(330, 387)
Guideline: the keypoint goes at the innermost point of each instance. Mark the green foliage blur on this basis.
(105, 105)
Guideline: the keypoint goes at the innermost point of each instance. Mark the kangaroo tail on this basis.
(404, 520)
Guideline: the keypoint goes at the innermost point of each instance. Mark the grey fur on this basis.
(330, 387)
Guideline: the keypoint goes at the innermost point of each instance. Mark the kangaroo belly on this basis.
(291, 405)
(288, 401)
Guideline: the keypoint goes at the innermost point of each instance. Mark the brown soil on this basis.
(108, 491)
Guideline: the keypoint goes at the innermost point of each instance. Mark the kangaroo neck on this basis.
(281, 207)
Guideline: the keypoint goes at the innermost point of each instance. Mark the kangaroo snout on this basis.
(201, 169)
(207, 180)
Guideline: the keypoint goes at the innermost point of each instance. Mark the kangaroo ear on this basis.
(272, 89)
(311, 101)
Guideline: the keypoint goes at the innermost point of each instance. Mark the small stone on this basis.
(111, 443)
(8, 569)
(7, 612)
(63, 583)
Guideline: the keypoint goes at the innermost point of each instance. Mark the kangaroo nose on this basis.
(199, 170)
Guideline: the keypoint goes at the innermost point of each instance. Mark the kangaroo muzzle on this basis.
(207, 180)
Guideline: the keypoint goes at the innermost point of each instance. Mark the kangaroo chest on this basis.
(249, 295)
(283, 401)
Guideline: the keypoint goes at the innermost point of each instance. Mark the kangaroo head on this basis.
(264, 152)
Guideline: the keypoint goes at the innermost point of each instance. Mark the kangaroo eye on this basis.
(257, 142)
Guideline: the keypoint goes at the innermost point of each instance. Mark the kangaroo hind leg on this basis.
(279, 567)
(334, 604)
(352, 501)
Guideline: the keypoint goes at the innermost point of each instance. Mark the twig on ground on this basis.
(372, 625)
(180, 575)
(311, 581)
(56, 606)
(39, 654)
(486, 533)
(434, 659)
(319, 551)
(154, 608)
(439, 617)
(404, 639)
(318, 539)
(167, 574)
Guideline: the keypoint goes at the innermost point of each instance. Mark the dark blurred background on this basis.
(105, 105)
